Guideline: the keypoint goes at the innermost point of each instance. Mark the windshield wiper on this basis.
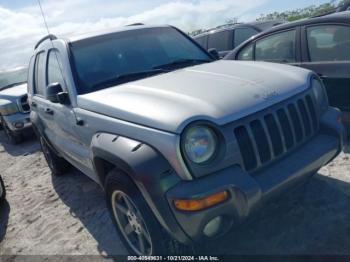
(123, 78)
(182, 62)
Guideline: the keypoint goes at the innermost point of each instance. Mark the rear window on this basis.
(242, 34)
(220, 40)
(329, 43)
(39, 75)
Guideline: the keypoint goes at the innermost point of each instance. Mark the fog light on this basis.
(213, 227)
(19, 125)
(201, 203)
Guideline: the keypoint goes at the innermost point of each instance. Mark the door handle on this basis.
(49, 111)
(33, 104)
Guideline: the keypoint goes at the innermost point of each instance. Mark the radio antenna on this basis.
(43, 15)
(48, 32)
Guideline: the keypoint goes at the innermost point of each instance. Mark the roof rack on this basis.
(136, 24)
(50, 37)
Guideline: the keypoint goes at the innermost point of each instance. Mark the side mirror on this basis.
(214, 53)
(55, 94)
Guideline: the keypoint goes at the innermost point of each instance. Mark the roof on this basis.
(78, 37)
(260, 25)
(334, 17)
(75, 38)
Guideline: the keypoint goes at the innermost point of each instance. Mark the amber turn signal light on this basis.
(201, 203)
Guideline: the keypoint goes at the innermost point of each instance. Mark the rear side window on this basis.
(54, 73)
(276, 48)
(329, 43)
(39, 75)
(246, 53)
(220, 40)
(242, 34)
(202, 40)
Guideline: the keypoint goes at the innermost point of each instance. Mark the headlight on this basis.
(200, 144)
(8, 109)
(319, 93)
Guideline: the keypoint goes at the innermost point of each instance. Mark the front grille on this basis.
(276, 132)
(23, 104)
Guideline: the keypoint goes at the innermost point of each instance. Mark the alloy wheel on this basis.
(131, 223)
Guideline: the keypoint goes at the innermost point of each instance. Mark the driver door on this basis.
(61, 118)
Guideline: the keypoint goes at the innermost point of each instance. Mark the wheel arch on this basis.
(146, 167)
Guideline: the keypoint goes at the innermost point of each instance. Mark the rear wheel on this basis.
(2, 190)
(139, 229)
(58, 165)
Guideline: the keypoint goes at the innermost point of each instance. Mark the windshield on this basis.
(11, 78)
(101, 59)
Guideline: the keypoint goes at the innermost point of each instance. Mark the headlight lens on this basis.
(200, 144)
(8, 109)
(319, 93)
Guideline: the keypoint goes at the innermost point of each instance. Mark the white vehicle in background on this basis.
(14, 107)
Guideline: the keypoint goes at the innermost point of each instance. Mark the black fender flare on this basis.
(149, 170)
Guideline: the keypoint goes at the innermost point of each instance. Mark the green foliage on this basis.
(293, 15)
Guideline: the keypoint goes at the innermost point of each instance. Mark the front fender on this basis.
(150, 171)
(5, 103)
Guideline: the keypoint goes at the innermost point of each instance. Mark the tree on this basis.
(301, 13)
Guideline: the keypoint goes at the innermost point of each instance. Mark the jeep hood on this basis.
(13, 93)
(220, 92)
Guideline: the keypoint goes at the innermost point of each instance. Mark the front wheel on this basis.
(57, 165)
(139, 229)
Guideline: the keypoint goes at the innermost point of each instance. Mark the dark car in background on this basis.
(321, 44)
(224, 39)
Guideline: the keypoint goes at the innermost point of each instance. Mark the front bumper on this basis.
(249, 191)
(18, 122)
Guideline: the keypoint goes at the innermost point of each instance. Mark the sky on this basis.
(21, 23)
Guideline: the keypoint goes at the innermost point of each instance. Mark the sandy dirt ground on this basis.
(46, 215)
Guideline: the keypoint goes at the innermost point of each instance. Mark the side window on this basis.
(328, 43)
(39, 74)
(276, 48)
(219, 40)
(246, 53)
(202, 40)
(54, 73)
(30, 77)
(242, 34)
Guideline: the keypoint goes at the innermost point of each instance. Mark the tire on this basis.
(134, 220)
(2, 190)
(11, 137)
(58, 165)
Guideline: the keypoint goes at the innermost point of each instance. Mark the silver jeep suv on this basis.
(185, 147)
